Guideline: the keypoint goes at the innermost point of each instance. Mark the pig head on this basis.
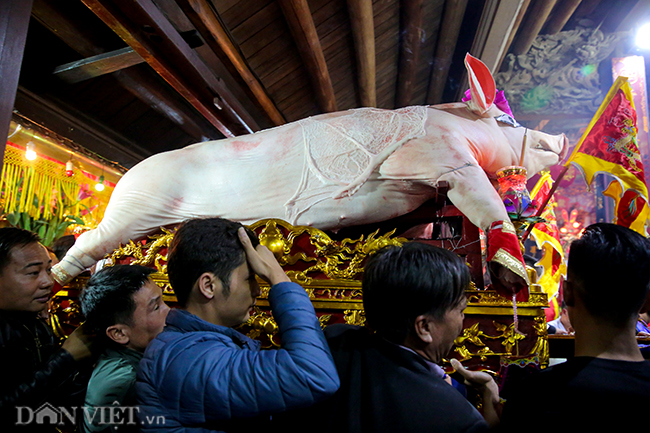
(330, 171)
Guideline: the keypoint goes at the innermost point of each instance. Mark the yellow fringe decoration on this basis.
(44, 189)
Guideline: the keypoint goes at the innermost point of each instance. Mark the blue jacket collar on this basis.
(183, 321)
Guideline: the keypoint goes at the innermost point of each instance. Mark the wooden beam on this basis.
(67, 121)
(143, 84)
(409, 56)
(301, 25)
(203, 16)
(515, 28)
(95, 66)
(560, 16)
(142, 26)
(495, 28)
(14, 21)
(532, 25)
(363, 32)
(447, 37)
(500, 27)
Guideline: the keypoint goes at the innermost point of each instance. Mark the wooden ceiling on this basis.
(130, 78)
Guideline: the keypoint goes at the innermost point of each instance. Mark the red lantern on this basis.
(69, 167)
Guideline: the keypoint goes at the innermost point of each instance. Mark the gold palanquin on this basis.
(331, 271)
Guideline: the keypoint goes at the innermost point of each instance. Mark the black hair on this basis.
(204, 245)
(11, 237)
(402, 283)
(107, 298)
(62, 245)
(609, 268)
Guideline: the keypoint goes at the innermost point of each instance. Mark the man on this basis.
(391, 381)
(125, 306)
(606, 387)
(561, 325)
(199, 374)
(35, 370)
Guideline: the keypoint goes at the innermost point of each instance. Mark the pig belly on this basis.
(377, 200)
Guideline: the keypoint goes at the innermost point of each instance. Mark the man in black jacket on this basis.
(606, 385)
(38, 377)
(391, 379)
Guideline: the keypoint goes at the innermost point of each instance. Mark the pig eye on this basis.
(508, 120)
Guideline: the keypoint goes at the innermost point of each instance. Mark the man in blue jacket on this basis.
(201, 375)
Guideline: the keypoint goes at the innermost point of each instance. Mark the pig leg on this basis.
(131, 217)
(473, 194)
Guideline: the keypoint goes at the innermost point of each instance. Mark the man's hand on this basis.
(262, 261)
(486, 386)
(80, 344)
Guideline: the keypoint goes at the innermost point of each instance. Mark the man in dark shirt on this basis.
(391, 381)
(606, 387)
(35, 371)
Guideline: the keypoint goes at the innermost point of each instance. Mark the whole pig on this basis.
(329, 171)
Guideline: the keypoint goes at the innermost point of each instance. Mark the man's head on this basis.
(608, 274)
(416, 293)
(124, 304)
(62, 245)
(25, 266)
(207, 265)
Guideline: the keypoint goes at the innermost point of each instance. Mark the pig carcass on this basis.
(329, 171)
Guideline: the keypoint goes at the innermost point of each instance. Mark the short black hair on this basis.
(11, 237)
(401, 283)
(62, 245)
(204, 245)
(610, 266)
(107, 298)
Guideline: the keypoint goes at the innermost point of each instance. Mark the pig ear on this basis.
(481, 84)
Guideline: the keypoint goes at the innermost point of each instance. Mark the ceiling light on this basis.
(643, 37)
(100, 184)
(30, 151)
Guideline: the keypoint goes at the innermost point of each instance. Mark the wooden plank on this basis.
(141, 25)
(363, 32)
(451, 23)
(14, 21)
(208, 24)
(98, 65)
(235, 16)
(304, 33)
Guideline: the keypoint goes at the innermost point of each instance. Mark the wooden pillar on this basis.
(363, 32)
(14, 21)
(409, 56)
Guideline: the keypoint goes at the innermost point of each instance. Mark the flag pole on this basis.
(548, 198)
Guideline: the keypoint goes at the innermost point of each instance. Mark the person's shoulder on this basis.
(113, 369)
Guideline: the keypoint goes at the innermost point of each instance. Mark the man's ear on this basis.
(208, 285)
(569, 293)
(424, 328)
(119, 333)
